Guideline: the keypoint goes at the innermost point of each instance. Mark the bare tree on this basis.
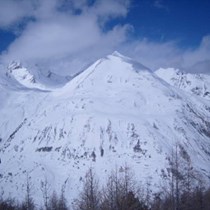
(53, 202)
(120, 192)
(28, 203)
(182, 179)
(29, 200)
(45, 188)
(111, 192)
(90, 195)
(62, 202)
(177, 177)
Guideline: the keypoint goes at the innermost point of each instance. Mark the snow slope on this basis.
(116, 112)
(198, 84)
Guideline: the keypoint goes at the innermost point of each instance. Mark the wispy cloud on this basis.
(12, 12)
(169, 54)
(160, 5)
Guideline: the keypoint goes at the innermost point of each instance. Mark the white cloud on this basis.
(58, 33)
(68, 35)
(110, 8)
(199, 54)
(54, 38)
(12, 11)
(154, 54)
(169, 54)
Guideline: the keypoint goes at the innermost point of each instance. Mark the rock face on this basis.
(114, 113)
(197, 84)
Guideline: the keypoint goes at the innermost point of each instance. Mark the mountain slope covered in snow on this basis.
(197, 84)
(115, 112)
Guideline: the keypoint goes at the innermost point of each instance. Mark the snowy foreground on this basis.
(115, 113)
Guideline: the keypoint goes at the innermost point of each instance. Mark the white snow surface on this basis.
(116, 105)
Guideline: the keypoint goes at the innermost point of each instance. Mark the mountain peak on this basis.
(114, 69)
(117, 54)
(137, 66)
(14, 65)
(30, 77)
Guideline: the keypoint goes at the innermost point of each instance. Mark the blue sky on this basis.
(63, 33)
(186, 21)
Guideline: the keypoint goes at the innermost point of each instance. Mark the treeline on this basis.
(121, 192)
(182, 189)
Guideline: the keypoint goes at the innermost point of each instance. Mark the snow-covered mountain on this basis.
(20, 76)
(198, 84)
(115, 112)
